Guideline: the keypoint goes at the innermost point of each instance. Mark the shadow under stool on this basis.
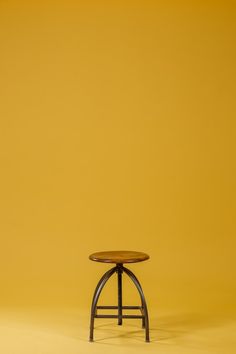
(119, 258)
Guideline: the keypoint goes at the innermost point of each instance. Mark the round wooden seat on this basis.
(119, 257)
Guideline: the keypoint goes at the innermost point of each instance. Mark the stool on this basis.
(119, 258)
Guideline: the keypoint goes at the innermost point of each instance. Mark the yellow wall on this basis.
(117, 132)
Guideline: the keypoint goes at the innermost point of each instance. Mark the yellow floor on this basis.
(65, 331)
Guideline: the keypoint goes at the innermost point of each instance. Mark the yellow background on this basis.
(117, 132)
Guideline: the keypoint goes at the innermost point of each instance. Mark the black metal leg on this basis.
(144, 304)
(119, 274)
(96, 295)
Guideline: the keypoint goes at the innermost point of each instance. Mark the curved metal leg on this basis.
(96, 295)
(144, 304)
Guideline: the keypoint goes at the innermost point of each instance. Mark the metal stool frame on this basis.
(119, 269)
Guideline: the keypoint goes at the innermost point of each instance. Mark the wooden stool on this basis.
(119, 258)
